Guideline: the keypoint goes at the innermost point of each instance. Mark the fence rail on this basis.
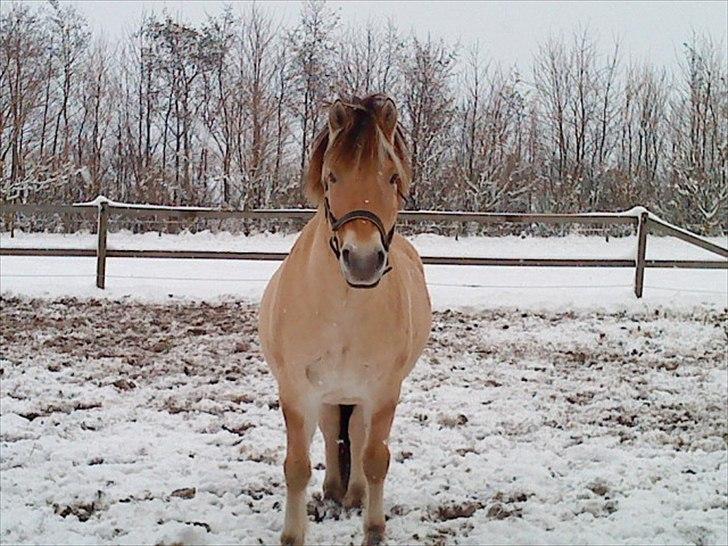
(103, 208)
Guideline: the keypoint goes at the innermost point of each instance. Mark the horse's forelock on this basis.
(365, 138)
(361, 138)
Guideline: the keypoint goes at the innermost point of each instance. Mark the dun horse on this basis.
(347, 314)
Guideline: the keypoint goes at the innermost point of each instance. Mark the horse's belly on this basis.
(340, 397)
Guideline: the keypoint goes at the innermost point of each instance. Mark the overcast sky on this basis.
(506, 31)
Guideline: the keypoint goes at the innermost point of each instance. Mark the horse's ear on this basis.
(313, 188)
(338, 117)
(387, 118)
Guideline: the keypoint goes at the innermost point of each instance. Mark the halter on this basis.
(358, 214)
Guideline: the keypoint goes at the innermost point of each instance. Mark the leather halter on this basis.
(358, 214)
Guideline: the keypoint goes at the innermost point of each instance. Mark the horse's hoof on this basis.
(288, 539)
(373, 535)
(354, 497)
(334, 491)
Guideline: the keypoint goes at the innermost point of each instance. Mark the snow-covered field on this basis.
(138, 423)
(535, 288)
(550, 407)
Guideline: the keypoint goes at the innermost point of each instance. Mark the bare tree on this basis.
(222, 112)
(312, 68)
(699, 119)
(428, 115)
(21, 57)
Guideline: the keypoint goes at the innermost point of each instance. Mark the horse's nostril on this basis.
(380, 259)
(345, 253)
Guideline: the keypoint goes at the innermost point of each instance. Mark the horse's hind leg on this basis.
(356, 490)
(300, 426)
(329, 423)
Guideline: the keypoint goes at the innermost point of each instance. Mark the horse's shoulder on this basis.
(408, 250)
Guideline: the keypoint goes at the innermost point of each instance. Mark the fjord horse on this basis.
(347, 314)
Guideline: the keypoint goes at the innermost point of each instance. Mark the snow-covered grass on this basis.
(131, 422)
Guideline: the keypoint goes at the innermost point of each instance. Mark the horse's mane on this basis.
(360, 138)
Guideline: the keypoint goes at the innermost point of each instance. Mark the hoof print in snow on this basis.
(239, 430)
(598, 488)
(580, 398)
(241, 347)
(446, 512)
(242, 399)
(627, 420)
(184, 493)
(173, 408)
(267, 456)
(511, 498)
(450, 421)
(82, 510)
(499, 510)
(124, 384)
(403, 456)
(599, 509)
(257, 493)
(399, 510)
(670, 365)
(79, 406)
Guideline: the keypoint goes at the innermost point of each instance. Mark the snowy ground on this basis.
(131, 423)
(550, 407)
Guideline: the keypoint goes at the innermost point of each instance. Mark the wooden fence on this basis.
(102, 208)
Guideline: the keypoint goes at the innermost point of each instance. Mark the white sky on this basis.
(508, 32)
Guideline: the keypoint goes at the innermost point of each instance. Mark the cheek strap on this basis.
(359, 214)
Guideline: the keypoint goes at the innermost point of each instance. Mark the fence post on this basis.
(639, 276)
(101, 246)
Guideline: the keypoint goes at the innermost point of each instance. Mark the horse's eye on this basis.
(394, 179)
(332, 178)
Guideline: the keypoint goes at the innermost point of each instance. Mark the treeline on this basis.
(223, 113)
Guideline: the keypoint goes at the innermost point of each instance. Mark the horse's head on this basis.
(360, 169)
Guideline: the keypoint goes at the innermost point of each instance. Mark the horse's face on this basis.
(360, 164)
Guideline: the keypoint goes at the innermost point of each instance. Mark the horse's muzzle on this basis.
(363, 268)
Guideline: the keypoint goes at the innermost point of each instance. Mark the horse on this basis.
(347, 314)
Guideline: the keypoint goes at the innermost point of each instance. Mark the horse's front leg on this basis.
(301, 421)
(376, 464)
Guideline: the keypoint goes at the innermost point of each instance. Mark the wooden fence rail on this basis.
(103, 209)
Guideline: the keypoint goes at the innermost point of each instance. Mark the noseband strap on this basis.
(359, 214)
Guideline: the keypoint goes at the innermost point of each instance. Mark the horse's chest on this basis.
(344, 369)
